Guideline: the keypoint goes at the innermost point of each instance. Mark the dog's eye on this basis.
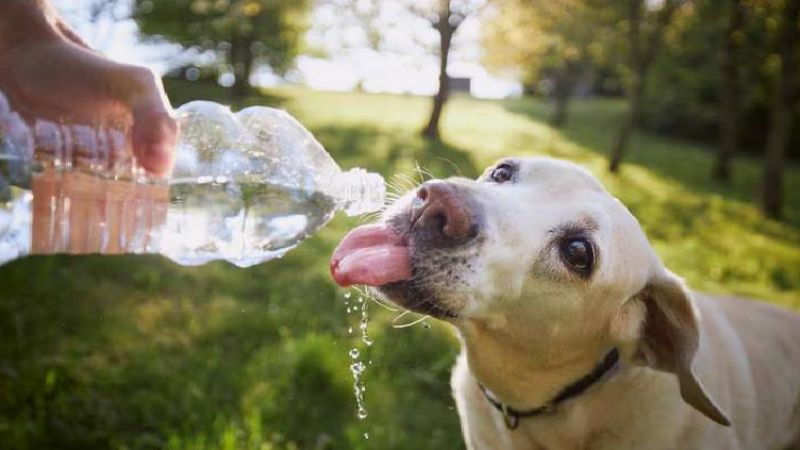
(578, 254)
(502, 173)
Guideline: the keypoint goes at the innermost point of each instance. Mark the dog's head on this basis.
(535, 253)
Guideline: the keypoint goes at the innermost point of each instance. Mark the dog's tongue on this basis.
(372, 255)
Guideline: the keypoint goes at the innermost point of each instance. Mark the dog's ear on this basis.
(669, 339)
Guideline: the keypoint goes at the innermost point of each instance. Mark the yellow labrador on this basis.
(575, 335)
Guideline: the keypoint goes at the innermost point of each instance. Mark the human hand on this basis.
(51, 76)
(48, 72)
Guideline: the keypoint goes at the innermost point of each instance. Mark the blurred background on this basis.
(687, 110)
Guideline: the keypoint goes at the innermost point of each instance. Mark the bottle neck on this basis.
(360, 191)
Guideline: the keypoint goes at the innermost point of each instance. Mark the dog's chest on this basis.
(562, 432)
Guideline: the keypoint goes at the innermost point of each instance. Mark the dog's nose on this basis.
(442, 207)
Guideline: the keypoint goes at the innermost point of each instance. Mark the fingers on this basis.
(140, 91)
(66, 81)
(154, 136)
(154, 130)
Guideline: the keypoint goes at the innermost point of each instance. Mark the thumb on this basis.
(154, 129)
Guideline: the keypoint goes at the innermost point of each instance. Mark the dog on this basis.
(574, 334)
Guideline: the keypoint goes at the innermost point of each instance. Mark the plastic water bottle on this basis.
(246, 187)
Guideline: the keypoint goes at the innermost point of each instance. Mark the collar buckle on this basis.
(509, 418)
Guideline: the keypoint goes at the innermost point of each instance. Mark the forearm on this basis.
(26, 21)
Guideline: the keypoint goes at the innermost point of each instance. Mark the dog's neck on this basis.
(524, 377)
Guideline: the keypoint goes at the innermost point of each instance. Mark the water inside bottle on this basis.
(244, 222)
(190, 221)
(79, 213)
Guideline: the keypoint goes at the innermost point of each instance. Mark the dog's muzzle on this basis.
(440, 219)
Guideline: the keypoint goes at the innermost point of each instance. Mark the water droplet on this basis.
(357, 368)
(363, 323)
(366, 435)
(347, 294)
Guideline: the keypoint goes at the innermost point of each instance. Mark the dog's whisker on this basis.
(369, 296)
(423, 171)
(407, 324)
(371, 217)
(418, 170)
(394, 189)
(400, 181)
(454, 165)
(401, 315)
(397, 180)
(410, 324)
(383, 305)
(410, 183)
(392, 196)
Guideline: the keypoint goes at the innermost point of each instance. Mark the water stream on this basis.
(358, 309)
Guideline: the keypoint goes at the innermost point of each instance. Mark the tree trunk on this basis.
(446, 30)
(729, 94)
(564, 84)
(242, 61)
(560, 111)
(629, 123)
(782, 115)
(641, 58)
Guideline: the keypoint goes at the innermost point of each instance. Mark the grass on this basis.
(138, 353)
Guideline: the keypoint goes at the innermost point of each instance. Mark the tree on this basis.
(242, 33)
(446, 17)
(645, 34)
(558, 41)
(782, 114)
(685, 91)
(730, 91)
(419, 22)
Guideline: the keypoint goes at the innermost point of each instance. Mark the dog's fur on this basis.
(529, 327)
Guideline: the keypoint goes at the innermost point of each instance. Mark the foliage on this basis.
(138, 353)
(537, 38)
(683, 95)
(241, 32)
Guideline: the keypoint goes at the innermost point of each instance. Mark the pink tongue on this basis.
(372, 255)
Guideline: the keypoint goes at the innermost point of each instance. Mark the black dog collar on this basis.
(511, 416)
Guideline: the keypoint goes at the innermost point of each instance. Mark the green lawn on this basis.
(136, 352)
